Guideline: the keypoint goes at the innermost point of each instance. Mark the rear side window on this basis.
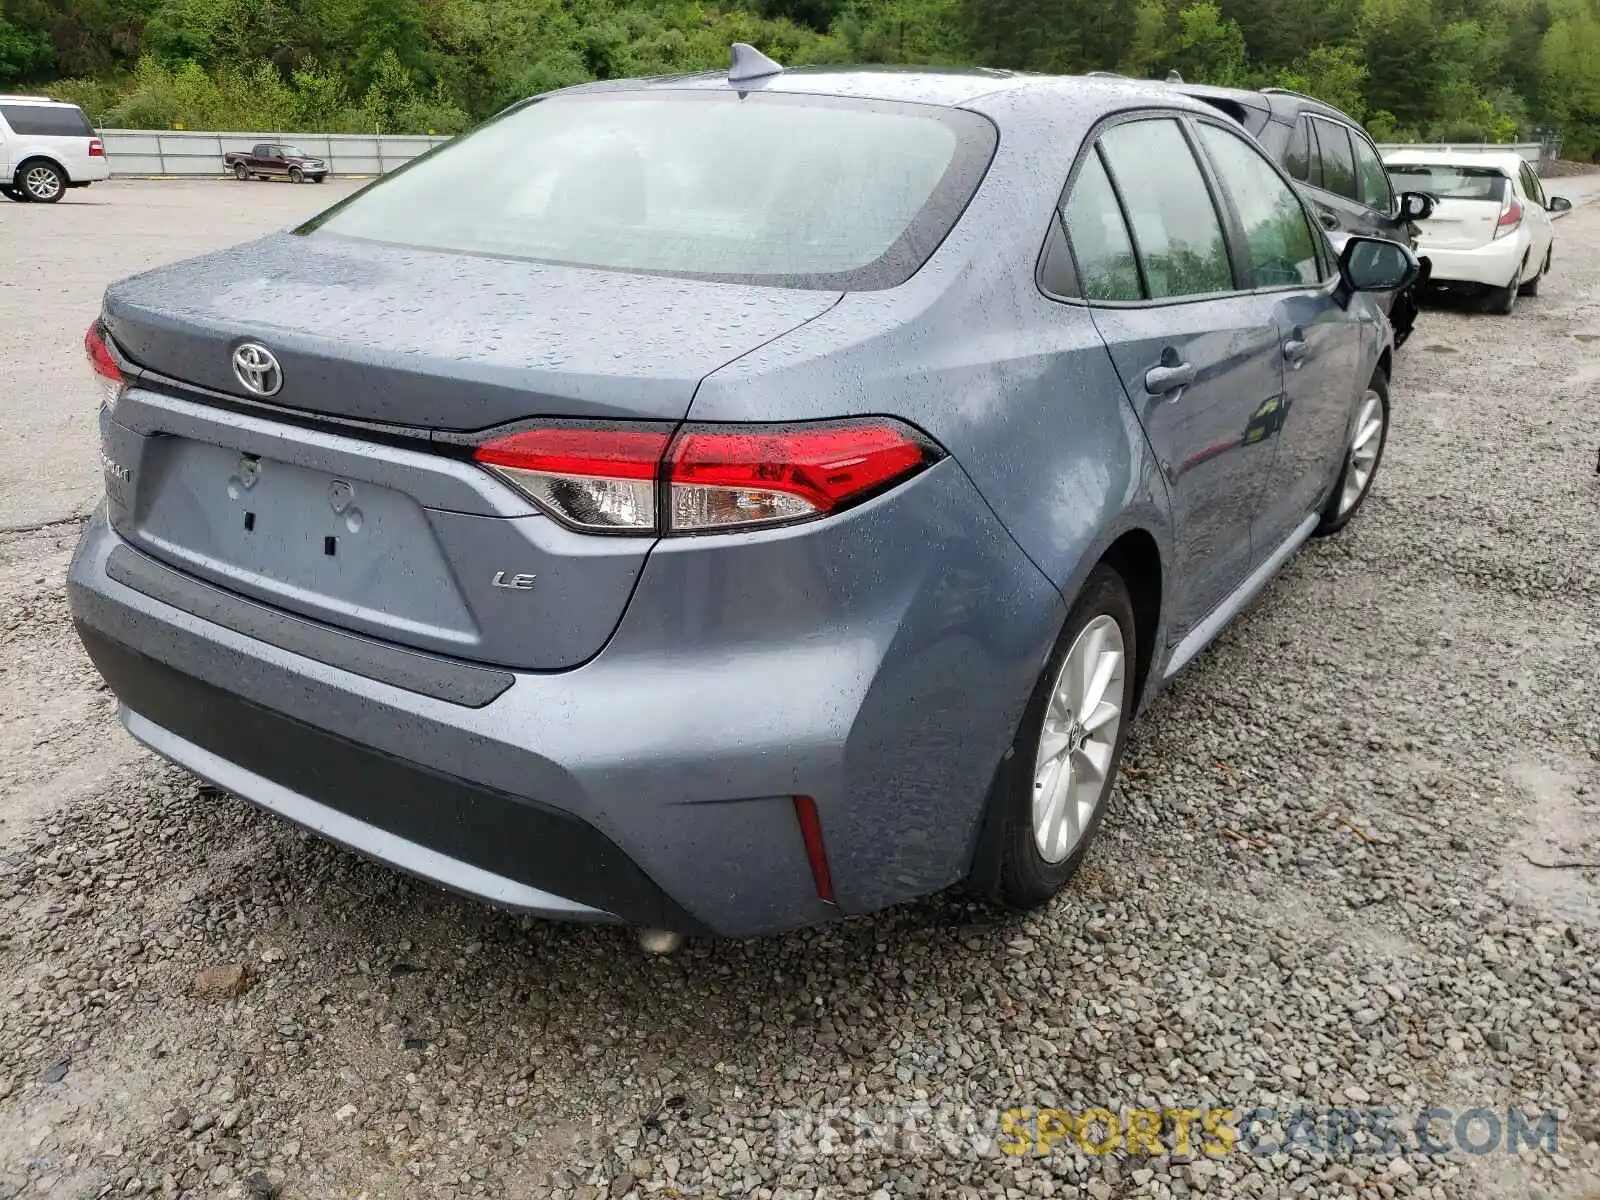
(1451, 182)
(1338, 168)
(1100, 242)
(1174, 222)
(1297, 156)
(1282, 248)
(1372, 181)
(792, 190)
(1531, 185)
(46, 120)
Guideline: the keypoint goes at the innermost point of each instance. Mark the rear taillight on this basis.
(603, 480)
(1510, 216)
(615, 479)
(97, 148)
(106, 372)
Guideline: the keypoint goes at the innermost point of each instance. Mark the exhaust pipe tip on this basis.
(659, 941)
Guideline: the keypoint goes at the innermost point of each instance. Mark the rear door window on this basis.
(1175, 226)
(1099, 236)
(1338, 166)
(1530, 184)
(1372, 181)
(1281, 246)
(46, 120)
(1297, 157)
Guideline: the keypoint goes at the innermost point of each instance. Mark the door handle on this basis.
(1295, 351)
(1168, 380)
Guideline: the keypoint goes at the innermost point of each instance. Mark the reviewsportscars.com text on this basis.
(1341, 1134)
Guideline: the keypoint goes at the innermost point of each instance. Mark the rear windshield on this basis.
(795, 191)
(1450, 182)
(46, 120)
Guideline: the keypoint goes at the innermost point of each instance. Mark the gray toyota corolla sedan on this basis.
(720, 503)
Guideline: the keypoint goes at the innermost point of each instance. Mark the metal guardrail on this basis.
(193, 153)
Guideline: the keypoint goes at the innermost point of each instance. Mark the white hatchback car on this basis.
(1492, 229)
(46, 147)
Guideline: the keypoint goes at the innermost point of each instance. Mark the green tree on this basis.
(1400, 50)
(391, 44)
(1208, 48)
(24, 52)
(1331, 74)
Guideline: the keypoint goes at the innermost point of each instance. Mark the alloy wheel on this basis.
(42, 183)
(1079, 739)
(1364, 449)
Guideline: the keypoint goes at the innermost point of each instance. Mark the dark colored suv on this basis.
(1337, 166)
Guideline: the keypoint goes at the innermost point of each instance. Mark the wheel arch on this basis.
(31, 160)
(1136, 557)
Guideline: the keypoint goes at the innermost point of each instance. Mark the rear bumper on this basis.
(92, 170)
(654, 785)
(1494, 265)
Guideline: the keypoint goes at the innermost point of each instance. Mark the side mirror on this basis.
(1417, 206)
(1376, 265)
(1558, 205)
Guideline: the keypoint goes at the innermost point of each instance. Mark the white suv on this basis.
(46, 147)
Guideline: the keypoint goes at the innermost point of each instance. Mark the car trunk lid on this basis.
(439, 341)
(403, 539)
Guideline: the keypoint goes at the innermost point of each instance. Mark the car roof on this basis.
(1279, 104)
(1508, 161)
(949, 88)
(43, 100)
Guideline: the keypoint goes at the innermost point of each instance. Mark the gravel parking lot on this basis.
(1353, 864)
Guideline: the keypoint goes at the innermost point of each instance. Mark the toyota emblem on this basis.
(257, 369)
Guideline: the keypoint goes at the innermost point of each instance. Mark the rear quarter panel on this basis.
(1019, 389)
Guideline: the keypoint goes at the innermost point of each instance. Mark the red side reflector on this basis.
(805, 808)
(97, 148)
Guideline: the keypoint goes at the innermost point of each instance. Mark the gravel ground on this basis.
(1319, 886)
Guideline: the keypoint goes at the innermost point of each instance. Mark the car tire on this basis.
(1361, 459)
(13, 193)
(1017, 868)
(41, 182)
(296, 175)
(1531, 288)
(1503, 301)
(241, 172)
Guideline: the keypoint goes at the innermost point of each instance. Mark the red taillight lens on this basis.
(613, 479)
(1510, 216)
(726, 478)
(97, 148)
(106, 372)
(598, 479)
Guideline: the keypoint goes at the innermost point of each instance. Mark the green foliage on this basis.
(24, 51)
(1334, 74)
(1414, 69)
